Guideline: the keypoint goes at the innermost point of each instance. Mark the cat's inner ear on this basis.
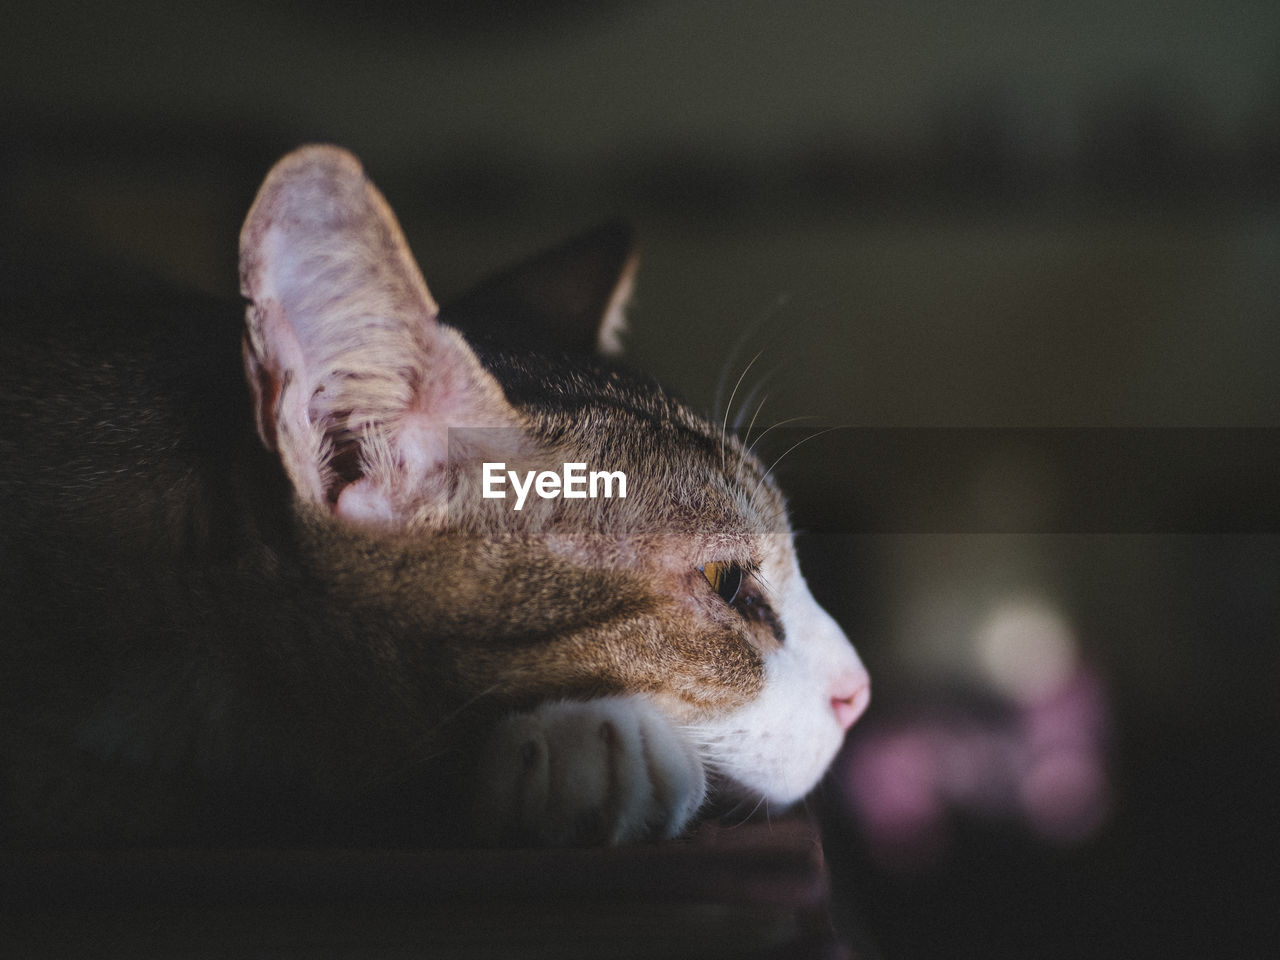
(572, 298)
(355, 382)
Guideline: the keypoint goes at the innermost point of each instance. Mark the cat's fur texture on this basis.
(201, 646)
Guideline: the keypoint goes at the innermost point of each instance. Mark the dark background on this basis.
(969, 218)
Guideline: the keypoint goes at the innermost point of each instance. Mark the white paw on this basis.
(611, 770)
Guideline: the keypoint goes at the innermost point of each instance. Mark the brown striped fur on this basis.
(315, 632)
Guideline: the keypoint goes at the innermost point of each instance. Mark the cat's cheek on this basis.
(780, 744)
(606, 771)
(776, 748)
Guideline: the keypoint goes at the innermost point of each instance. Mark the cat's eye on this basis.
(725, 579)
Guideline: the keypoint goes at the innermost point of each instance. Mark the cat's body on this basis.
(201, 646)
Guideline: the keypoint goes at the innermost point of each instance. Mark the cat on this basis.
(322, 629)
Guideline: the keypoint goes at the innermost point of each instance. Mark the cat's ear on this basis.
(573, 297)
(355, 382)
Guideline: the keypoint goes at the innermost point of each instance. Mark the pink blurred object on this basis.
(1040, 762)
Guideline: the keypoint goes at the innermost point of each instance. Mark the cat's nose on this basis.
(850, 695)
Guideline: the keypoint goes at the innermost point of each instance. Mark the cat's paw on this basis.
(604, 771)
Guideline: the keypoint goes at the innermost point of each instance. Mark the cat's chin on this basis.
(734, 802)
(782, 789)
(770, 773)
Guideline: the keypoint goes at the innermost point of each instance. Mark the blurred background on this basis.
(1025, 257)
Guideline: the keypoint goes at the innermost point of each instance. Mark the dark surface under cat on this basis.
(756, 890)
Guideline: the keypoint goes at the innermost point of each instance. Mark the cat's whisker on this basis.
(749, 399)
(423, 760)
(737, 477)
(387, 775)
(768, 523)
(764, 433)
(724, 424)
(746, 455)
(749, 331)
(727, 815)
(773, 466)
(764, 581)
(451, 717)
(806, 803)
(750, 814)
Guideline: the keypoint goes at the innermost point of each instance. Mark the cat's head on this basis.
(391, 425)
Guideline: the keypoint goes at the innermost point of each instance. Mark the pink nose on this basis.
(850, 695)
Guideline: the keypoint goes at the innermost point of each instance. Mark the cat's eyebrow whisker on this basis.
(737, 477)
(724, 424)
(773, 466)
(746, 455)
(747, 332)
(749, 399)
(767, 522)
(764, 433)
